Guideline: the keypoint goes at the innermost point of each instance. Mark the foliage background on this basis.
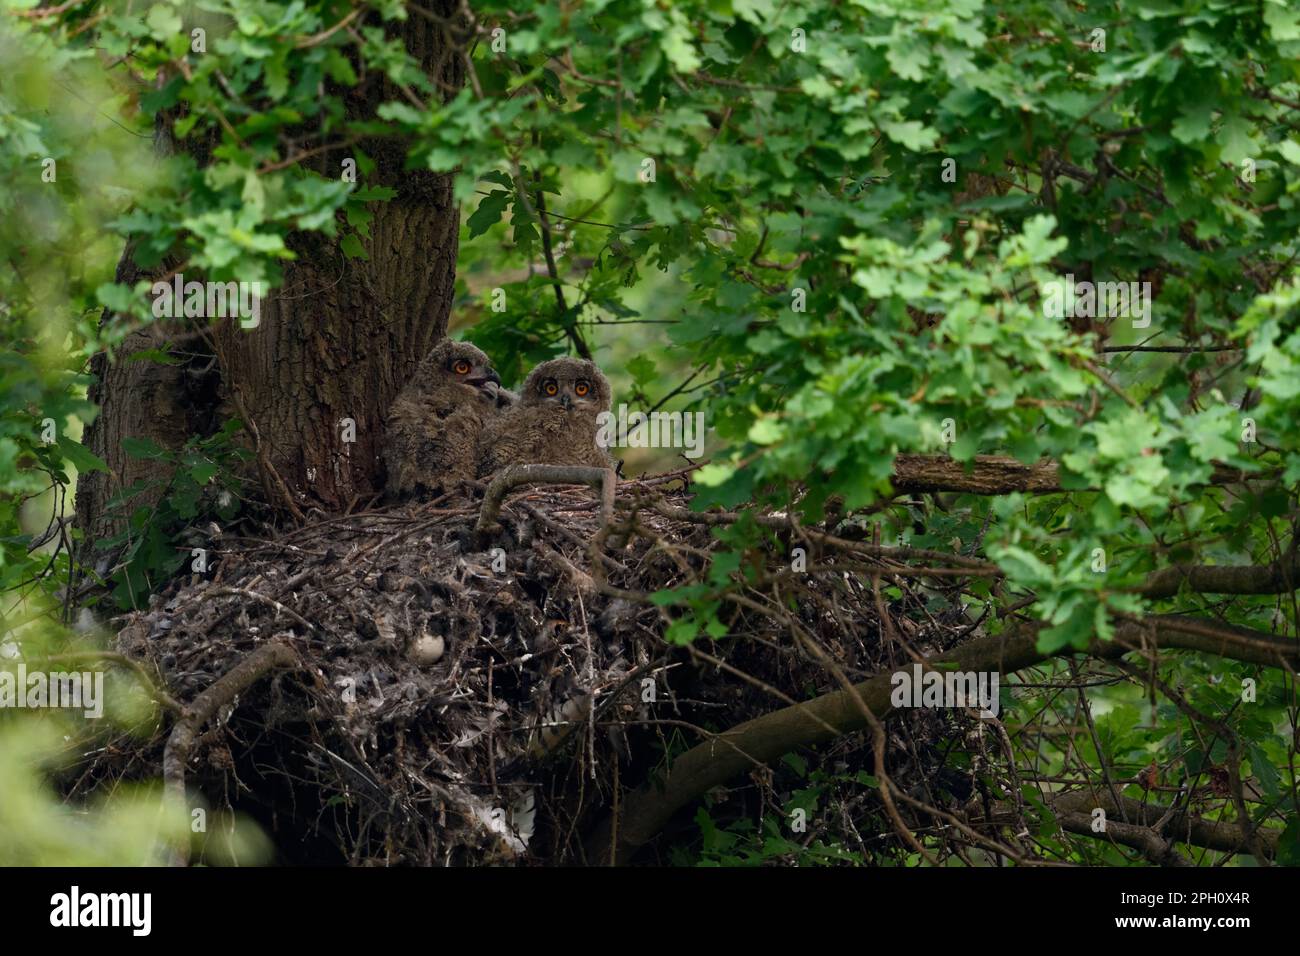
(795, 146)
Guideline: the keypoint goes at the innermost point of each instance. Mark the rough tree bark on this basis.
(996, 475)
(336, 341)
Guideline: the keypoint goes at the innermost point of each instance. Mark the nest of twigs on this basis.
(393, 687)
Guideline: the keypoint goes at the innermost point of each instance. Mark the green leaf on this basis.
(352, 247)
(714, 474)
(373, 194)
(489, 212)
(80, 457)
(911, 134)
(1288, 844)
(203, 472)
(642, 369)
(765, 431)
(1236, 139)
(682, 631)
(1289, 150)
(1193, 126)
(118, 298)
(1283, 21)
(144, 449)
(164, 22)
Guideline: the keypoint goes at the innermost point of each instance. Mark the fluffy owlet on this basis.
(433, 426)
(553, 422)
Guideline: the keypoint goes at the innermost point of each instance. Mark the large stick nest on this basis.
(458, 700)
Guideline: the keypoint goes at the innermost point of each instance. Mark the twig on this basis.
(223, 692)
(151, 685)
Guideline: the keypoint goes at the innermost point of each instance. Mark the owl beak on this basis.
(486, 380)
(566, 401)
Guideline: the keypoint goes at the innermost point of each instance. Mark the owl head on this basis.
(572, 384)
(460, 369)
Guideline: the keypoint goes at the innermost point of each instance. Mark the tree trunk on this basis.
(335, 342)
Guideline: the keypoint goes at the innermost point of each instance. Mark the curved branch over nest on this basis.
(511, 477)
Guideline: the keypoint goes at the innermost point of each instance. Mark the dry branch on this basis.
(767, 738)
(239, 678)
(1143, 839)
(997, 475)
(1277, 577)
(1180, 827)
(152, 686)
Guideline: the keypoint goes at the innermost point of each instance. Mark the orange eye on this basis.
(582, 388)
(461, 367)
(550, 388)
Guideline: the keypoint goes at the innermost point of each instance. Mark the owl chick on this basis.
(553, 422)
(433, 425)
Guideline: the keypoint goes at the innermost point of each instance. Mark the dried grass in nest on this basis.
(340, 729)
